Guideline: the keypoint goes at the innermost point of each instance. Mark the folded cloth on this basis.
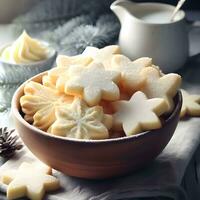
(161, 178)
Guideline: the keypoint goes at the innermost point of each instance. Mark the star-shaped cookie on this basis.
(139, 113)
(63, 64)
(66, 61)
(94, 83)
(58, 76)
(165, 86)
(81, 122)
(39, 103)
(191, 104)
(131, 77)
(103, 55)
(29, 181)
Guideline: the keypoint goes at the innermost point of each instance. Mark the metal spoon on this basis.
(177, 8)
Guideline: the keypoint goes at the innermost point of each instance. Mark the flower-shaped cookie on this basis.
(103, 55)
(81, 122)
(30, 181)
(131, 77)
(165, 86)
(66, 61)
(58, 76)
(39, 103)
(138, 114)
(94, 83)
(191, 104)
(63, 64)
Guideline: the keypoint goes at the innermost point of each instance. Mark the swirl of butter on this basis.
(24, 50)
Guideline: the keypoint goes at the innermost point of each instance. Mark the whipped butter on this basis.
(24, 50)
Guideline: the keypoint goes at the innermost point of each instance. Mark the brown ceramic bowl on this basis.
(94, 159)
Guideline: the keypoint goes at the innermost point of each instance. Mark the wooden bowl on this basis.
(94, 159)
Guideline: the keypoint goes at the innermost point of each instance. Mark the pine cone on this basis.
(8, 143)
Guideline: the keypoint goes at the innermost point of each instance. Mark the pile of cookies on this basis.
(99, 93)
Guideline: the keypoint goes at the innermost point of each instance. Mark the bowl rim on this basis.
(52, 53)
(16, 113)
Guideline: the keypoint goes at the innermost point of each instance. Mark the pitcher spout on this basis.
(121, 8)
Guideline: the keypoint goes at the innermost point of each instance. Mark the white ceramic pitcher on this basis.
(146, 31)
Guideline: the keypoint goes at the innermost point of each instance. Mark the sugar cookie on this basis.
(66, 61)
(131, 77)
(47, 81)
(94, 83)
(191, 104)
(103, 55)
(81, 122)
(138, 114)
(29, 181)
(57, 72)
(165, 86)
(60, 75)
(39, 102)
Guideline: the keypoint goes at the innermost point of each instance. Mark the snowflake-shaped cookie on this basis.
(94, 83)
(191, 104)
(66, 61)
(131, 77)
(81, 122)
(103, 55)
(29, 181)
(139, 113)
(39, 103)
(165, 86)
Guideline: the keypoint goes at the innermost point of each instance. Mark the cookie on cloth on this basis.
(138, 114)
(191, 104)
(131, 78)
(165, 86)
(39, 103)
(30, 181)
(94, 83)
(66, 61)
(103, 55)
(81, 122)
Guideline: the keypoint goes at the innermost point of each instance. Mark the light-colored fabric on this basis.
(161, 178)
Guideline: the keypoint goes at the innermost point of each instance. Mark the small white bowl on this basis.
(18, 73)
